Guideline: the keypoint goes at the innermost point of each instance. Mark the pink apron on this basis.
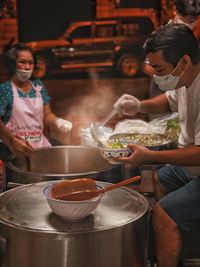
(26, 121)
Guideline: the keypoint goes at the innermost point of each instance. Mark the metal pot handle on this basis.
(11, 185)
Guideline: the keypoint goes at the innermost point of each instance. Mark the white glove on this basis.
(127, 105)
(63, 125)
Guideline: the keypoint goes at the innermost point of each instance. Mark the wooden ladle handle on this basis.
(125, 182)
(91, 193)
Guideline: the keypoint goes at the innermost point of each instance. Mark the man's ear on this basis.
(186, 62)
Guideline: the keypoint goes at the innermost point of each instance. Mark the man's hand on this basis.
(140, 156)
(127, 105)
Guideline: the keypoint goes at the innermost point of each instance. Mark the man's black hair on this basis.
(188, 7)
(174, 40)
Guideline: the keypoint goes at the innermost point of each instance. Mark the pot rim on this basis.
(10, 165)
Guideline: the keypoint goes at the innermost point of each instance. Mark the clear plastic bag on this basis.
(86, 137)
(163, 125)
(132, 126)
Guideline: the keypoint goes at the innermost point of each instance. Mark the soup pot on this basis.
(61, 162)
(31, 235)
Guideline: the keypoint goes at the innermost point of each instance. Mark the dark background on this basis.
(155, 4)
(46, 19)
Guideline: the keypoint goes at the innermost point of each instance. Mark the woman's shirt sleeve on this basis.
(6, 101)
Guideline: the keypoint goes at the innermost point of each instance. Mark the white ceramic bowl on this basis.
(111, 153)
(71, 210)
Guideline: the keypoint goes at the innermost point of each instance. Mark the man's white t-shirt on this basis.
(186, 101)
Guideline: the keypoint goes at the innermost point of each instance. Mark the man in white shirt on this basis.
(186, 12)
(172, 50)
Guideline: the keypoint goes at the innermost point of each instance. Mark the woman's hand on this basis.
(16, 145)
(63, 125)
(61, 131)
(20, 147)
(57, 128)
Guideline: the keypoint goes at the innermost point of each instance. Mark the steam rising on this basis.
(94, 104)
(83, 101)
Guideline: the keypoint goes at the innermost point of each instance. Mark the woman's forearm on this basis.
(49, 116)
(5, 134)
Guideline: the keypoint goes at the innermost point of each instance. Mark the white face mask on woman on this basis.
(167, 82)
(23, 75)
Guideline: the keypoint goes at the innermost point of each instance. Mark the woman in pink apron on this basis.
(24, 105)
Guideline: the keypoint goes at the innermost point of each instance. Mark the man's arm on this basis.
(129, 105)
(157, 105)
(187, 156)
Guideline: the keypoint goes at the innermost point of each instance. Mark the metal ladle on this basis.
(108, 117)
(94, 129)
(90, 192)
(95, 135)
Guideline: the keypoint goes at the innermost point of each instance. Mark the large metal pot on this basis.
(31, 235)
(61, 162)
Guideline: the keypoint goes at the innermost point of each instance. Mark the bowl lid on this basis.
(26, 208)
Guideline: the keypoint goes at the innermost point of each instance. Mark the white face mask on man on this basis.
(23, 75)
(167, 82)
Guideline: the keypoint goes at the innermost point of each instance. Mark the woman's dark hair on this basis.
(188, 7)
(11, 55)
(174, 40)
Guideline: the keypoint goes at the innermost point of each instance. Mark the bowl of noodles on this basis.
(152, 141)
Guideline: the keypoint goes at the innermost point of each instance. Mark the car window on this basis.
(136, 26)
(81, 32)
(129, 28)
(105, 30)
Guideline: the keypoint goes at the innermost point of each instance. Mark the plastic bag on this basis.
(160, 124)
(133, 126)
(166, 124)
(86, 137)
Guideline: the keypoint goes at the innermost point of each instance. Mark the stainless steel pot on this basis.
(31, 235)
(61, 162)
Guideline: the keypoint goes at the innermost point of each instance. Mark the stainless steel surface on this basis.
(27, 207)
(114, 236)
(63, 162)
